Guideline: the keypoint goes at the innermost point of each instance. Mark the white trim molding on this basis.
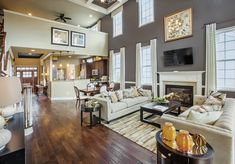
(88, 4)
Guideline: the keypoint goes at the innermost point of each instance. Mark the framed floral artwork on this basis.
(178, 25)
(78, 39)
(59, 36)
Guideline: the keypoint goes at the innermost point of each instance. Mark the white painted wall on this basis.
(33, 32)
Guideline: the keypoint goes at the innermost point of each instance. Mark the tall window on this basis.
(146, 66)
(146, 12)
(117, 67)
(117, 24)
(225, 58)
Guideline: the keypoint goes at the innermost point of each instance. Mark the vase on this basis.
(169, 132)
(199, 144)
(184, 141)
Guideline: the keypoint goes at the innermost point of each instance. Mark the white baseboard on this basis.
(62, 98)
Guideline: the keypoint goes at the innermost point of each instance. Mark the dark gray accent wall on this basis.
(204, 11)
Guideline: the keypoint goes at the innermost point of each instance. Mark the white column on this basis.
(51, 68)
(122, 53)
(138, 69)
(210, 58)
(153, 45)
(111, 65)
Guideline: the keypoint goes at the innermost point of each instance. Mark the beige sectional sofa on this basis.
(220, 135)
(111, 111)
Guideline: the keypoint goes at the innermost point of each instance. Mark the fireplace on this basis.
(184, 94)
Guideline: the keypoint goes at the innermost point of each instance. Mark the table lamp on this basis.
(10, 94)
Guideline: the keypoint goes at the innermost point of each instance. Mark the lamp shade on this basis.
(10, 91)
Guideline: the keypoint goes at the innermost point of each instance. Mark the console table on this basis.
(168, 155)
(14, 152)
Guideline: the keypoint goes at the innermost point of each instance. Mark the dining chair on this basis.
(90, 86)
(103, 88)
(79, 97)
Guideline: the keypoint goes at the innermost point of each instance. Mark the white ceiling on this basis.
(49, 9)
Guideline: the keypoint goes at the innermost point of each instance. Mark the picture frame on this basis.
(78, 39)
(178, 25)
(94, 72)
(59, 36)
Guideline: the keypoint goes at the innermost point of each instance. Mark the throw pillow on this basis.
(204, 118)
(104, 94)
(128, 93)
(142, 92)
(119, 94)
(113, 97)
(135, 91)
(219, 96)
(213, 101)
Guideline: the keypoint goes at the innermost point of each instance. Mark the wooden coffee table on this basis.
(149, 108)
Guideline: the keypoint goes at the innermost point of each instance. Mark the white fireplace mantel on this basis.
(187, 78)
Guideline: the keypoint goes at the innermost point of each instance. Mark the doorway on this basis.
(28, 75)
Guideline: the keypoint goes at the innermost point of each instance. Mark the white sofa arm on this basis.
(105, 107)
(199, 99)
(220, 139)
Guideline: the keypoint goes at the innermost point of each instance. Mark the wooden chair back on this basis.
(77, 92)
(103, 88)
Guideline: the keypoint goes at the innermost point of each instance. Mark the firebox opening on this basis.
(185, 94)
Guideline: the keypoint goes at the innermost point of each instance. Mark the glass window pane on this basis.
(230, 45)
(230, 65)
(230, 54)
(230, 35)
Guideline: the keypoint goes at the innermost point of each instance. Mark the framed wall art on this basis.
(59, 36)
(178, 25)
(78, 39)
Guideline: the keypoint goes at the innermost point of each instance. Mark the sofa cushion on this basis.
(134, 101)
(118, 106)
(227, 119)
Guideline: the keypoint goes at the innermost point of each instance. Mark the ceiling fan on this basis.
(61, 17)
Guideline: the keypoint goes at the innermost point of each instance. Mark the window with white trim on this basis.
(146, 12)
(116, 67)
(117, 24)
(146, 66)
(225, 58)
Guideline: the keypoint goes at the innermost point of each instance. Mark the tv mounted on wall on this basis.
(178, 57)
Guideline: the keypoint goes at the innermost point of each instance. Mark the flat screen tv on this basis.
(178, 57)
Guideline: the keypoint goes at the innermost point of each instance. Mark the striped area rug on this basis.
(139, 132)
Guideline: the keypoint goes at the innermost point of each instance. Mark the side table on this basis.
(168, 155)
(91, 110)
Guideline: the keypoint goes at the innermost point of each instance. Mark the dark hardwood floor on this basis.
(59, 138)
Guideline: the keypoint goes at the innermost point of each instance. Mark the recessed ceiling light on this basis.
(90, 15)
(30, 14)
(32, 50)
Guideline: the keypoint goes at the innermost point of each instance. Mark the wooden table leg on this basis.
(179, 110)
(81, 117)
(99, 116)
(159, 158)
(141, 115)
(91, 120)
